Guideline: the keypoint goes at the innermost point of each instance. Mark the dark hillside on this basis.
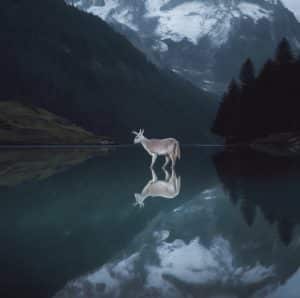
(73, 64)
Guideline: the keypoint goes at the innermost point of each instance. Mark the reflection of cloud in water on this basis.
(290, 289)
(159, 268)
(113, 275)
(192, 251)
(194, 263)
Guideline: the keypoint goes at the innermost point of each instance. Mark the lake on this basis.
(83, 222)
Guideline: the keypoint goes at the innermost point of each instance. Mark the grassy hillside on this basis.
(22, 124)
(73, 64)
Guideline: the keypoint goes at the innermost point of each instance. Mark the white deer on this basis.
(169, 148)
(168, 188)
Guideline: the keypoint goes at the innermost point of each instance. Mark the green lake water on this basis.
(225, 224)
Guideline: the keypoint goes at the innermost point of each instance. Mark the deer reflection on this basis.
(169, 188)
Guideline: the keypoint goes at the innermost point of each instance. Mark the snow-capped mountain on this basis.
(203, 40)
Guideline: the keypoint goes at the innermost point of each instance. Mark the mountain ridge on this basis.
(193, 38)
(53, 59)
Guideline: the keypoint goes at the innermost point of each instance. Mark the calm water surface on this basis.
(97, 223)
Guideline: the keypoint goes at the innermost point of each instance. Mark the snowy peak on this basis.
(205, 41)
(194, 20)
(181, 19)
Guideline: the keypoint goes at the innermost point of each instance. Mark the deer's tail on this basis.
(177, 150)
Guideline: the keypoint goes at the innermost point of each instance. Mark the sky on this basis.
(294, 6)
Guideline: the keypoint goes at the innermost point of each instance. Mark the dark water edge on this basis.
(66, 213)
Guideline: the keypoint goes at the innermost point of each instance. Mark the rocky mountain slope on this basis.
(205, 41)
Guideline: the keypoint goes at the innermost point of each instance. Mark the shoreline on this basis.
(65, 146)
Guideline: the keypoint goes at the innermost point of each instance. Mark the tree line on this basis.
(259, 105)
(256, 181)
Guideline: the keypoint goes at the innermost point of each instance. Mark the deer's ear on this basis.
(134, 132)
(142, 131)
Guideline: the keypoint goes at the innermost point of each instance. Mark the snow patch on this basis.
(160, 46)
(254, 11)
(190, 20)
(161, 235)
(113, 275)
(193, 20)
(194, 263)
(112, 11)
(161, 263)
(103, 11)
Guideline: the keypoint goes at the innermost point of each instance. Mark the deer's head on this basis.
(139, 136)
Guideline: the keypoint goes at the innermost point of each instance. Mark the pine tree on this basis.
(248, 210)
(247, 79)
(234, 120)
(284, 54)
(264, 105)
(247, 74)
(266, 71)
(285, 229)
(264, 98)
(226, 122)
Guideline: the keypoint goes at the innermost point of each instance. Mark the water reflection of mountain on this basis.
(255, 179)
(57, 228)
(201, 249)
(66, 226)
(23, 165)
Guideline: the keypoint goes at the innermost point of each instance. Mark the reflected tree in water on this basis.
(285, 228)
(254, 179)
(248, 210)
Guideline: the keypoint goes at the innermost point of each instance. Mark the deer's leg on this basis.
(166, 162)
(173, 159)
(167, 175)
(154, 176)
(173, 174)
(154, 157)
